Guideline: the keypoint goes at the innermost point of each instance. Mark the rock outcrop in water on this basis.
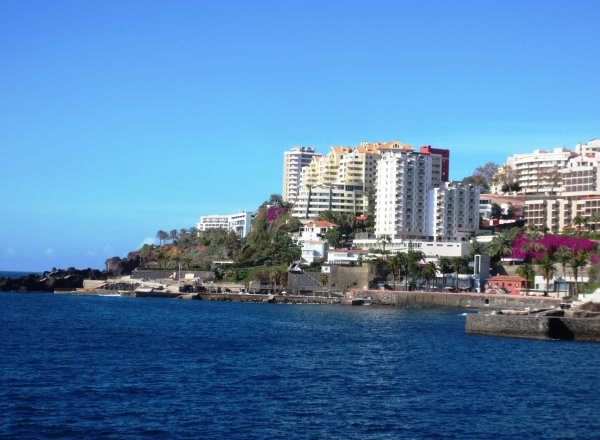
(116, 266)
(55, 279)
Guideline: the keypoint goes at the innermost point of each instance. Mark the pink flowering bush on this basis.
(552, 243)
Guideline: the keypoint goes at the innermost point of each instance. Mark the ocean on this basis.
(111, 367)
(14, 274)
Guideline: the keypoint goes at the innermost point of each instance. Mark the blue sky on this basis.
(119, 118)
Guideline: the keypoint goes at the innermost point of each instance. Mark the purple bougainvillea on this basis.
(551, 243)
(273, 213)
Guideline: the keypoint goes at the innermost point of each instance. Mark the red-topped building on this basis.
(445, 159)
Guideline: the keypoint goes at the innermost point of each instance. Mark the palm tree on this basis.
(414, 259)
(273, 279)
(578, 260)
(531, 248)
(187, 261)
(173, 235)
(548, 270)
(162, 236)
(579, 221)
(563, 256)
(397, 265)
(500, 246)
(526, 271)
(595, 219)
(456, 263)
(444, 265)
(383, 241)
(429, 273)
(324, 279)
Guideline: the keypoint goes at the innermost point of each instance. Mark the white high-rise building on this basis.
(536, 173)
(452, 211)
(403, 179)
(337, 182)
(293, 163)
(413, 204)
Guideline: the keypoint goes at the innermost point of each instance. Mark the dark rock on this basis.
(116, 266)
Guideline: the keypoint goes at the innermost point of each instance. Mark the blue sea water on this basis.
(110, 367)
(13, 274)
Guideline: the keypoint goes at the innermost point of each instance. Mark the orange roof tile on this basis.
(321, 224)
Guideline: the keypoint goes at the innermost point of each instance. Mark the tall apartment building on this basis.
(441, 160)
(413, 203)
(403, 179)
(453, 211)
(537, 172)
(240, 222)
(293, 163)
(337, 182)
(580, 175)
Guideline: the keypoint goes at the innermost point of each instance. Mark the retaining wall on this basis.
(454, 300)
(534, 327)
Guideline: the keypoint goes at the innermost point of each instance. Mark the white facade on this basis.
(240, 223)
(537, 172)
(342, 256)
(337, 182)
(293, 163)
(403, 179)
(313, 250)
(453, 211)
(592, 146)
(430, 249)
(580, 175)
(337, 198)
(315, 231)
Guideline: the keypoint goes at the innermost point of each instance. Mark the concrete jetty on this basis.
(569, 325)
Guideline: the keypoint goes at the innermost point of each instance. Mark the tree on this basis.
(477, 181)
(526, 271)
(487, 171)
(563, 256)
(500, 246)
(324, 279)
(496, 210)
(579, 221)
(173, 235)
(397, 265)
(333, 236)
(414, 259)
(274, 278)
(383, 241)
(594, 220)
(445, 265)
(162, 236)
(548, 270)
(429, 273)
(577, 261)
(456, 263)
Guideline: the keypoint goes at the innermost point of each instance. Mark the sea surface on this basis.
(13, 274)
(123, 368)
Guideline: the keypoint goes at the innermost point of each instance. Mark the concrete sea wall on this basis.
(534, 327)
(454, 300)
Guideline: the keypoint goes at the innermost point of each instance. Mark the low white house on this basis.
(345, 256)
(316, 230)
(314, 249)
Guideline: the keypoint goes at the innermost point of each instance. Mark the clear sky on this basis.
(120, 118)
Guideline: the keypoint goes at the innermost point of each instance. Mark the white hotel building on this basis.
(293, 162)
(416, 209)
(240, 223)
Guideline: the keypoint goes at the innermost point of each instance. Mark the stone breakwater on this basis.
(280, 299)
(450, 300)
(570, 326)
